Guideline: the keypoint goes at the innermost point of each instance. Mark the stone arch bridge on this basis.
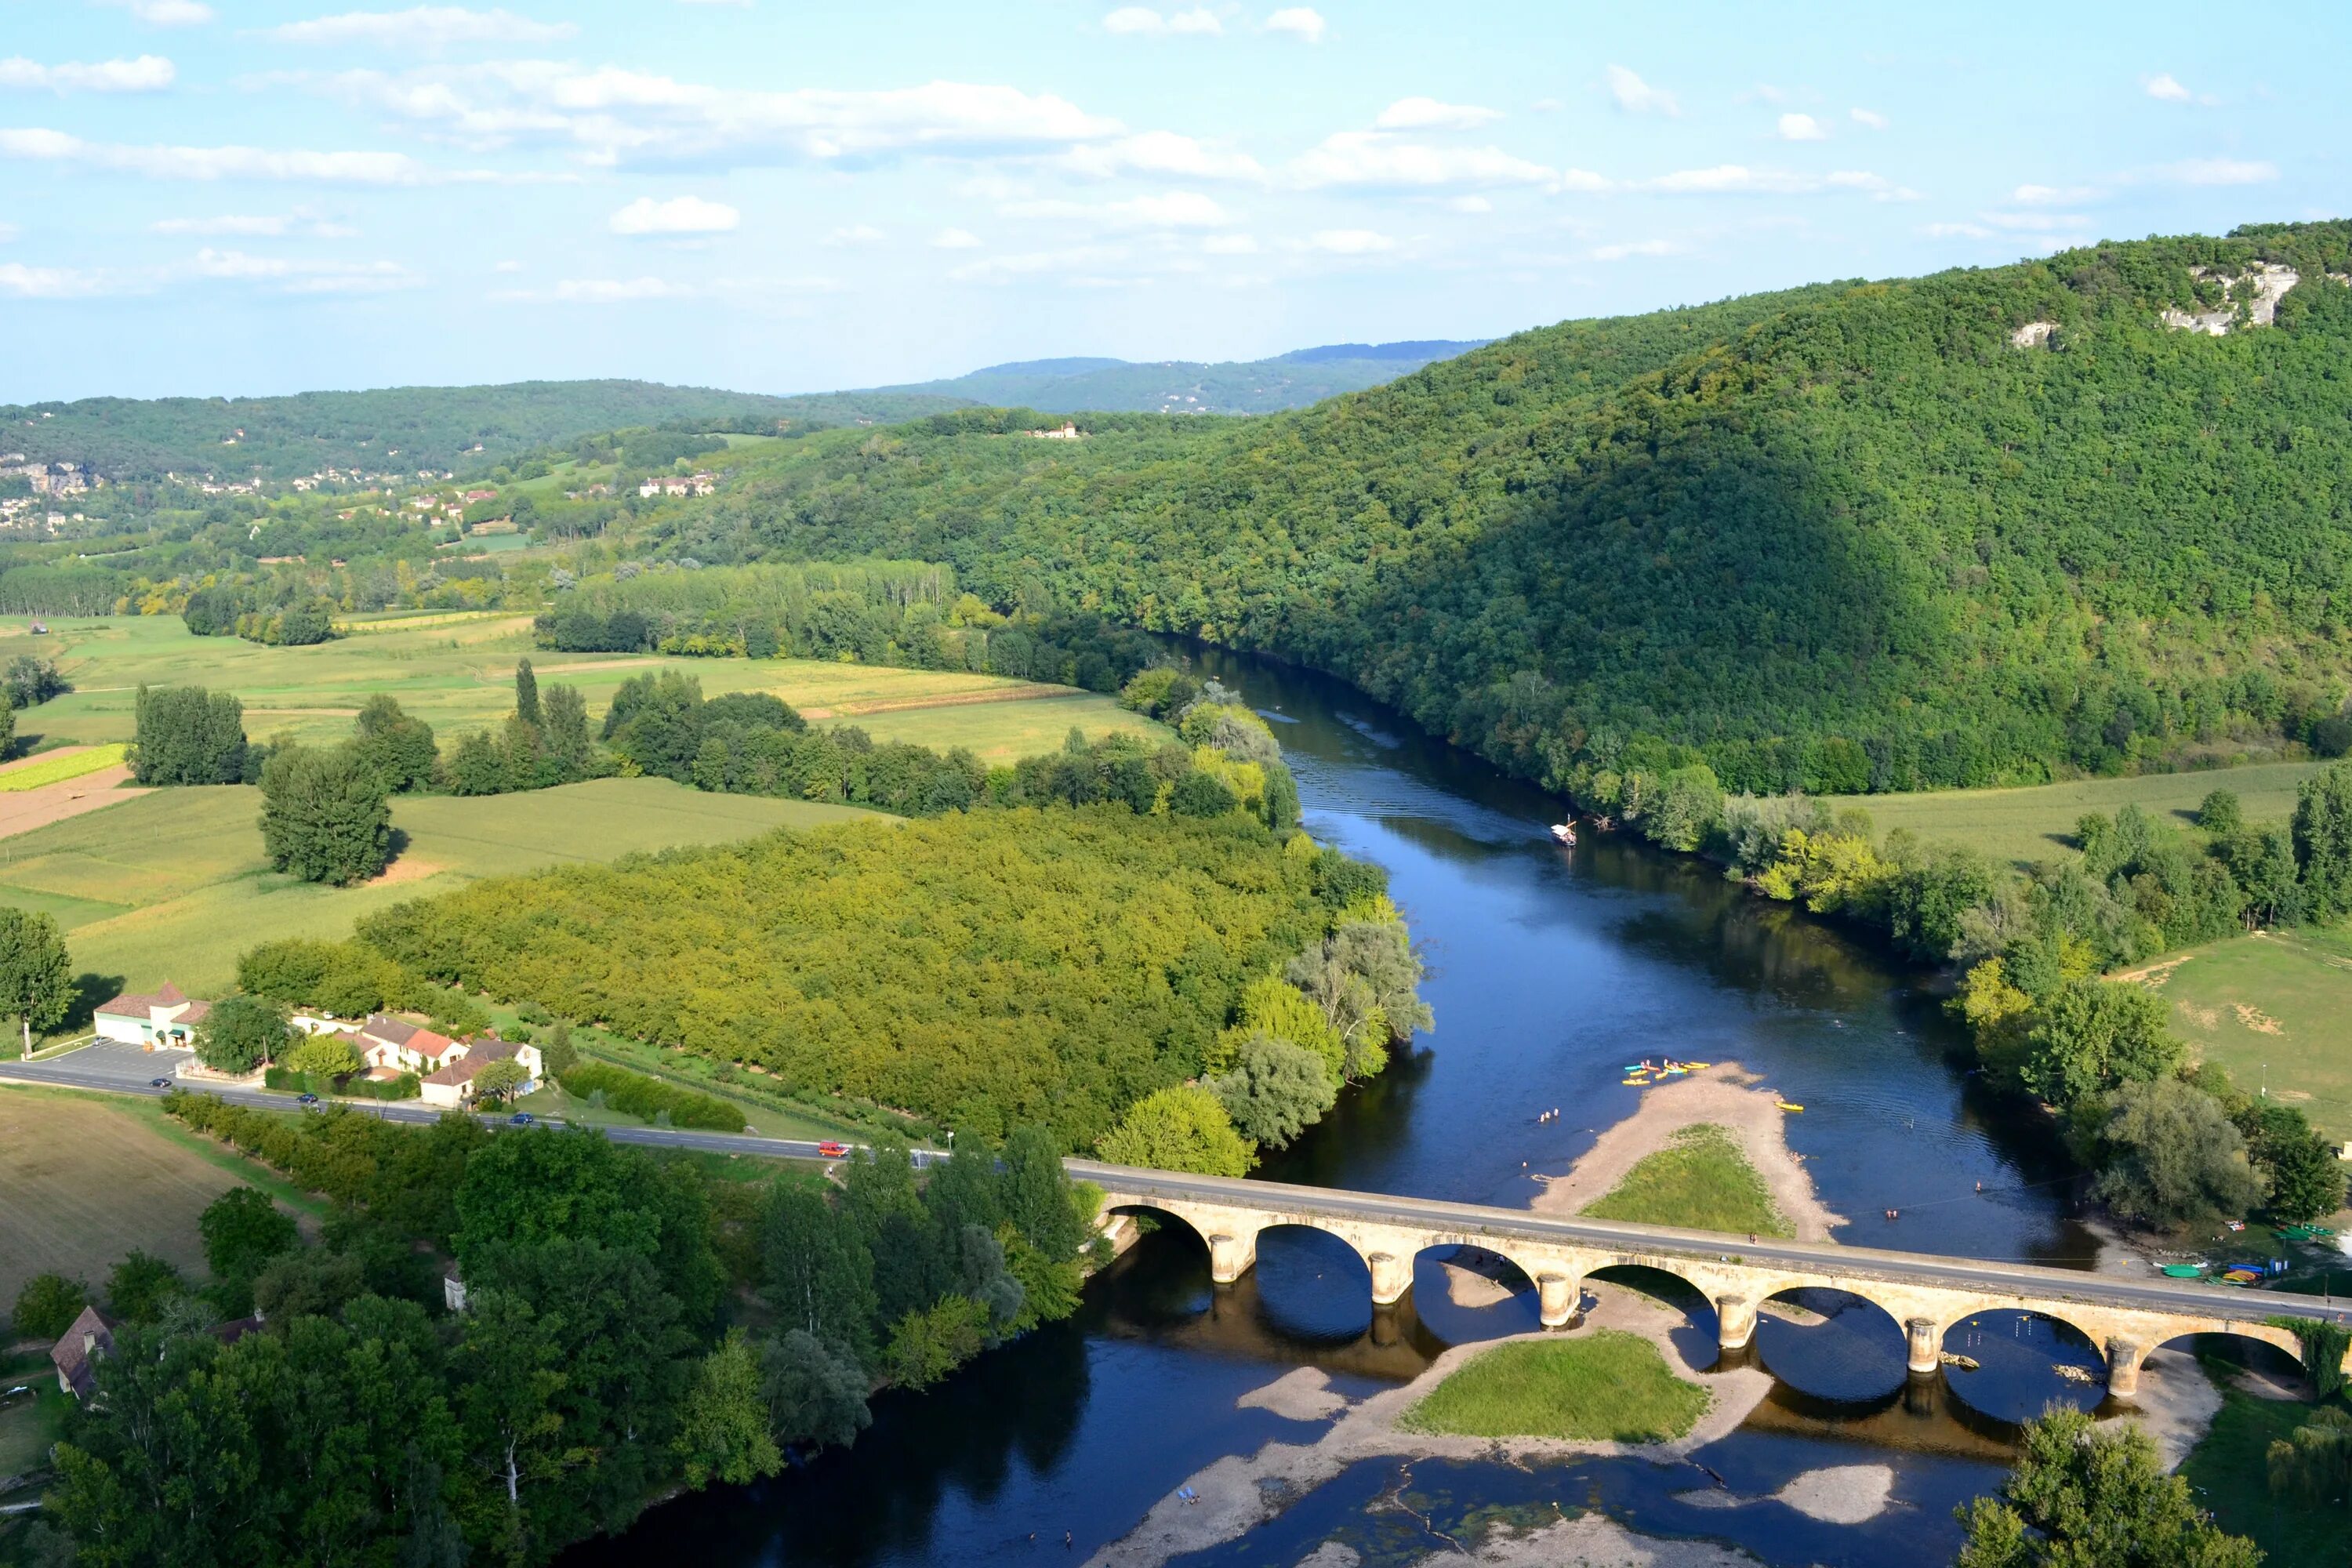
(1927, 1295)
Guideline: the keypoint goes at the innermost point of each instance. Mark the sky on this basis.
(255, 196)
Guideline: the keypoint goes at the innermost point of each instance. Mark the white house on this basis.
(388, 1042)
(168, 1018)
(453, 1082)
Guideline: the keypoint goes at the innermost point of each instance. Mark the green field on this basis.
(456, 672)
(173, 885)
(1606, 1386)
(2276, 1010)
(2228, 1472)
(1701, 1181)
(2019, 826)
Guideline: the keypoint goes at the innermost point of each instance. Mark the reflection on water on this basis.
(1549, 969)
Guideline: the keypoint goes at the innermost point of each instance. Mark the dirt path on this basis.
(1724, 1095)
(21, 811)
(1242, 1490)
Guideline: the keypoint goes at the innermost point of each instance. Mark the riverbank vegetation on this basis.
(1700, 1181)
(629, 1325)
(2084, 1492)
(1605, 1386)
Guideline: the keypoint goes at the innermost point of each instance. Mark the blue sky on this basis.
(246, 196)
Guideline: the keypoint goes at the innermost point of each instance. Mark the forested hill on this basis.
(397, 429)
(1883, 535)
(1183, 386)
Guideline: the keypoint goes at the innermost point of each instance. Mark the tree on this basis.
(187, 735)
(2094, 1035)
(1275, 1090)
(815, 1394)
(561, 1054)
(47, 1306)
(817, 1273)
(2323, 842)
(2305, 1179)
(2089, 1496)
(507, 1365)
(324, 817)
(526, 693)
(928, 1344)
(2173, 1155)
(322, 1056)
(2219, 814)
(476, 766)
(724, 1432)
(395, 747)
(35, 974)
(239, 1034)
(1037, 1195)
(243, 1231)
(563, 734)
(141, 1286)
(498, 1081)
(1179, 1129)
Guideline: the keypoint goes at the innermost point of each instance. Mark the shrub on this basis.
(47, 1305)
(635, 1094)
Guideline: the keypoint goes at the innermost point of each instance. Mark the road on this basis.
(116, 1073)
(1922, 1268)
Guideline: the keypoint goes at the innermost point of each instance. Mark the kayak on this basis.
(1786, 1106)
(2184, 1270)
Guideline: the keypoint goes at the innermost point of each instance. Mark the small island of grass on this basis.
(1700, 1181)
(1606, 1386)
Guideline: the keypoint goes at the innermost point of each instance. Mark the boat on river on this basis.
(1565, 833)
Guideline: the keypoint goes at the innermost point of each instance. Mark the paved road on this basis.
(127, 1069)
(2151, 1294)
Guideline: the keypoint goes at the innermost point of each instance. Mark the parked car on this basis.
(306, 1099)
(8, 1396)
(159, 1083)
(521, 1118)
(831, 1150)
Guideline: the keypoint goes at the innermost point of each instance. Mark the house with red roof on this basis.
(167, 1017)
(76, 1355)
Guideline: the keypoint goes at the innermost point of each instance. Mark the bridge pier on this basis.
(1735, 1322)
(1231, 1258)
(1557, 1296)
(1926, 1345)
(2124, 1358)
(1391, 1277)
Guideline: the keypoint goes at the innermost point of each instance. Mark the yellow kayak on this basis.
(1637, 1083)
(1786, 1106)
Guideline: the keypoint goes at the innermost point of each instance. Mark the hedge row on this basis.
(635, 1094)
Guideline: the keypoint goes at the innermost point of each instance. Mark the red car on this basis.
(831, 1150)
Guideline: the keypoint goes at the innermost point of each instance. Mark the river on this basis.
(1549, 969)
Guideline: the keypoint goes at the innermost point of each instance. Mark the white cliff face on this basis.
(2259, 289)
(2033, 335)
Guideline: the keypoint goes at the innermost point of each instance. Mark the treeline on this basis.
(628, 1326)
(895, 612)
(281, 612)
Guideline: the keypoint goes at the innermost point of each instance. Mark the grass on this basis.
(56, 770)
(2019, 826)
(2230, 1471)
(1607, 1386)
(90, 1177)
(28, 1430)
(2272, 1009)
(173, 885)
(1699, 1182)
(456, 671)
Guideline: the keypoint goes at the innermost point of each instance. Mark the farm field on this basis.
(456, 672)
(2273, 1009)
(2019, 826)
(172, 884)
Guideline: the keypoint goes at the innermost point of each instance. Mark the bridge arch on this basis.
(1467, 1289)
(1314, 1282)
(1832, 1345)
(2024, 1359)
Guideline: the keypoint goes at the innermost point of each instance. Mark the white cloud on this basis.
(1144, 20)
(2052, 196)
(611, 116)
(955, 239)
(167, 163)
(301, 276)
(1956, 231)
(1469, 205)
(47, 282)
(679, 215)
(421, 28)
(1737, 179)
(1626, 249)
(1230, 245)
(254, 225)
(1303, 22)
(856, 234)
(1803, 128)
(2163, 86)
(1175, 209)
(1161, 152)
(1369, 159)
(165, 12)
(1635, 96)
(1350, 242)
(148, 73)
(1869, 117)
(1428, 114)
(2224, 171)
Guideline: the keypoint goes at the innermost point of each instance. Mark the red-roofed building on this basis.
(76, 1355)
(166, 1017)
(453, 1083)
(388, 1042)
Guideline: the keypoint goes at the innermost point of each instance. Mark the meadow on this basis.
(1702, 1181)
(1606, 1386)
(2272, 1009)
(456, 672)
(173, 885)
(2019, 826)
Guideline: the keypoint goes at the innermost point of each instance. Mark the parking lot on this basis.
(104, 1064)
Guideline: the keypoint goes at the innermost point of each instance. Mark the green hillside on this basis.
(397, 429)
(1186, 387)
(1855, 536)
